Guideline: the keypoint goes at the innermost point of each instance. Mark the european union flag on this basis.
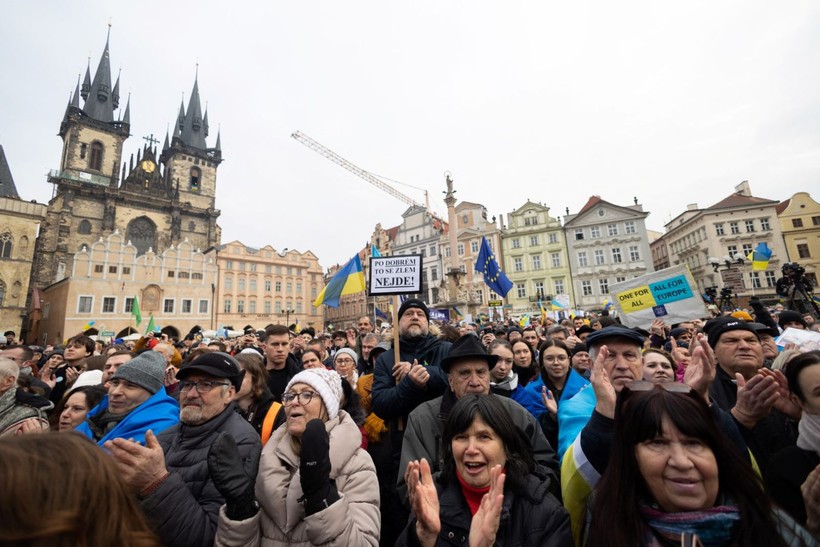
(380, 313)
(493, 276)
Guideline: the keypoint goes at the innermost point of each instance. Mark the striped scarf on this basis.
(712, 527)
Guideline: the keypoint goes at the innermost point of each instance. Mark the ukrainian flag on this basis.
(348, 280)
(556, 306)
(457, 314)
(760, 257)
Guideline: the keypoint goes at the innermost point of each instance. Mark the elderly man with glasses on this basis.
(178, 488)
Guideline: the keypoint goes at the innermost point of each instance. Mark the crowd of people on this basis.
(575, 432)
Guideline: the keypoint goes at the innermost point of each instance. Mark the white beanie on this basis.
(327, 383)
(87, 378)
(346, 351)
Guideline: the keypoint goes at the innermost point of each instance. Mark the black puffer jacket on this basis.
(185, 509)
(532, 518)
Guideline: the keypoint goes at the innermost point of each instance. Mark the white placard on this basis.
(670, 294)
(395, 275)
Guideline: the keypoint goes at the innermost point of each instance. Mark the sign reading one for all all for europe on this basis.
(395, 275)
(669, 294)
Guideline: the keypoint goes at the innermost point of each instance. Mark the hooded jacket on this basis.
(184, 510)
(157, 413)
(16, 406)
(354, 519)
(533, 517)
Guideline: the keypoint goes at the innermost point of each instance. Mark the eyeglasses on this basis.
(202, 386)
(344, 361)
(672, 387)
(304, 397)
(556, 358)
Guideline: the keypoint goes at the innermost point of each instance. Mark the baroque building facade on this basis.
(158, 199)
(799, 218)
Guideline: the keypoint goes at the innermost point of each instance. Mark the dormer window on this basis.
(196, 177)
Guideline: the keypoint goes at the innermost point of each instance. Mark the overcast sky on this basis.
(551, 101)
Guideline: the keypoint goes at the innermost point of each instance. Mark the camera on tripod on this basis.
(793, 279)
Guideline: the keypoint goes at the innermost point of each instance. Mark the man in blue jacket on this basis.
(136, 402)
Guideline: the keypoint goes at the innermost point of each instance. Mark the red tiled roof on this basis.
(739, 200)
(782, 206)
(594, 200)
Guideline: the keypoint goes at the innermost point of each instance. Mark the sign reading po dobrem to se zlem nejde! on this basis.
(395, 275)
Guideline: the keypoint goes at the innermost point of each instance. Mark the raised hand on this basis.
(810, 489)
(755, 399)
(419, 374)
(484, 526)
(702, 368)
(139, 465)
(784, 403)
(423, 498)
(400, 370)
(549, 401)
(604, 392)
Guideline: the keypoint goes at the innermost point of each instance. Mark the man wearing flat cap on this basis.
(171, 473)
(467, 366)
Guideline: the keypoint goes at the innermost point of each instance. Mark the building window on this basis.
(803, 250)
(252, 306)
(536, 262)
(241, 266)
(539, 289)
(288, 287)
(764, 224)
(252, 285)
(797, 223)
(229, 283)
(734, 228)
(278, 286)
(460, 249)
(815, 220)
(171, 273)
(558, 284)
(5, 245)
(95, 159)
(187, 305)
(616, 255)
(533, 241)
(267, 285)
(473, 247)
(298, 287)
(579, 234)
(521, 290)
(229, 265)
(240, 306)
(754, 277)
(629, 227)
(203, 306)
(750, 226)
(168, 305)
(719, 229)
(196, 178)
(620, 279)
(555, 259)
(240, 285)
(447, 251)
(516, 243)
(84, 227)
(595, 232)
(771, 278)
(612, 229)
(253, 266)
(83, 150)
(278, 307)
(731, 250)
(552, 238)
(112, 269)
(226, 307)
(126, 270)
(266, 307)
(434, 273)
(109, 304)
(518, 264)
(582, 258)
(129, 304)
(98, 268)
(586, 288)
(634, 254)
(196, 275)
(183, 275)
(84, 304)
(599, 257)
(433, 249)
(747, 248)
(603, 286)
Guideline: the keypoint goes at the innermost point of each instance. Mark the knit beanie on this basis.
(327, 383)
(347, 351)
(414, 303)
(146, 370)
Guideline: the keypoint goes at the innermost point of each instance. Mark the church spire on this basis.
(75, 99)
(193, 132)
(167, 144)
(219, 140)
(116, 95)
(87, 80)
(99, 104)
(126, 118)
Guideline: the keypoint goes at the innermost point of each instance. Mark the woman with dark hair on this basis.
(254, 401)
(88, 503)
(792, 467)
(504, 380)
(488, 470)
(673, 478)
(311, 359)
(658, 366)
(72, 410)
(523, 361)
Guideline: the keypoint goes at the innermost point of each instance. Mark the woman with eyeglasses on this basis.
(316, 485)
(673, 478)
(344, 361)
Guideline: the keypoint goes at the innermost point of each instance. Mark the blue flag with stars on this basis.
(493, 276)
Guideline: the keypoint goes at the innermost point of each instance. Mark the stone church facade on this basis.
(156, 200)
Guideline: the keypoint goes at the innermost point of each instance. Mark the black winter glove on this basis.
(319, 491)
(229, 476)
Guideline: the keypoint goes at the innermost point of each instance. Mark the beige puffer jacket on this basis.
(353, 520)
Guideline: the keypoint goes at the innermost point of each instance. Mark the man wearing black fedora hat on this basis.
(467, 366)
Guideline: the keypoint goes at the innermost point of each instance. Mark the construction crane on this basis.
(358, 171)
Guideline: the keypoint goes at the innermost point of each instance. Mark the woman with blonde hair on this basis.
(87, 502)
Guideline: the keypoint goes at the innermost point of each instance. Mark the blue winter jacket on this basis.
(157, 413)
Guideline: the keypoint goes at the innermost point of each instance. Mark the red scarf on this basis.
(471, 494)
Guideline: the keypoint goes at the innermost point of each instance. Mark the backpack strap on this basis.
(267, 424)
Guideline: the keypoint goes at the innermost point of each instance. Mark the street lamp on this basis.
(287, 313)
(727, 262)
